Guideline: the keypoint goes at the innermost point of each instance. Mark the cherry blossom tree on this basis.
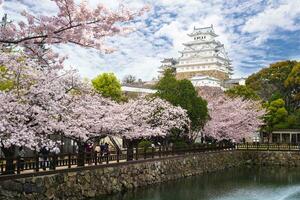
(31, 109)
(76, 24)
(231, 118)
(34, 99)
(151, 118)
(39, 95)
(45, 99)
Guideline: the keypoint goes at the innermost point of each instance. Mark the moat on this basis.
(245, 183)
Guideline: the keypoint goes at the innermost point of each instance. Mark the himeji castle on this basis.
(203, 60)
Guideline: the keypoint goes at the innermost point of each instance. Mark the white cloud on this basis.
(243, 26)
(274, 17)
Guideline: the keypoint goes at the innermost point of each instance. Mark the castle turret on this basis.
(202, 56)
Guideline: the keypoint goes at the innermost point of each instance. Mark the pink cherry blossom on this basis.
(47, 100)
(231, 118)
(153, 117)
(74, 23)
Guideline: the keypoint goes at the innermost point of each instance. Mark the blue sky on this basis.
(255, 33)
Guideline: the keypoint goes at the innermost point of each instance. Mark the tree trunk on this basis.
(81, 154)
(130, 146)
(9, 154)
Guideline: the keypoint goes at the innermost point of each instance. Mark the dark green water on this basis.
(232, 184)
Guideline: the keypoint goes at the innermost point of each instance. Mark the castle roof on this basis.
(203, 30)
(204, 77)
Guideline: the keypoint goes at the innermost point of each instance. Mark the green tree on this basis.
(242, 91)
(277, 115)
(129, 79)
(167, 86)
(108, 85)
(196, 107)
(182, 93)
(6, 83)
(271, 80)
(280, 80)
(293, 83)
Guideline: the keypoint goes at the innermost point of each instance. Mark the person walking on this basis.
(97, 150)
(55, 151)
(106, 149)
(44, 156)
(102, 149)
(88, 151)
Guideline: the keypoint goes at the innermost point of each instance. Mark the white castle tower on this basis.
(204, 60)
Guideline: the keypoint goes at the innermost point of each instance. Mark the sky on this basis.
(255, 33)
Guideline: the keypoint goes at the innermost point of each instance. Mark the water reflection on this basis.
(232, 184)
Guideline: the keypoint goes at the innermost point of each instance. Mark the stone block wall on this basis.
(273, 158)
(96, 180)
(213, 73)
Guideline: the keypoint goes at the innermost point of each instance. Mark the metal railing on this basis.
(64, 161)
(268, 147)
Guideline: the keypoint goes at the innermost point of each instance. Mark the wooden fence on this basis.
(268, 147)
(65, 161)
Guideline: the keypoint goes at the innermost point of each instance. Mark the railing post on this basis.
(37, 163)
(69, 160)
(145, 155)
(107, 158)
(136, 153)
(289, 146)
(152, 151)
(166, 151)
(54, 161)
(118, 156)
(247, 145)
(18, 165)
(2, 167)
(159, 151)
(96, 157)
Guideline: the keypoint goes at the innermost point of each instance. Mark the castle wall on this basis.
(213, 73)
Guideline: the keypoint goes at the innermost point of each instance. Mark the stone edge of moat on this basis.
(99, 181)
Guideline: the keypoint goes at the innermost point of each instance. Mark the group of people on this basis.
(45, 154)
(99, 151)
(102, 150)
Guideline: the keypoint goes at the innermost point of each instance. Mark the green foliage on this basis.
(5, 82)
(145, 145)
(293, 82)
(280, 80)
(167, 86)
(108, 85)
(242, 91)
(180, 144)
(277, 114)
(182, 93)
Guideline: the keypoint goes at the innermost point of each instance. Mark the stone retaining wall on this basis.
(99, 181)
(273, 158)
(95, 181)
